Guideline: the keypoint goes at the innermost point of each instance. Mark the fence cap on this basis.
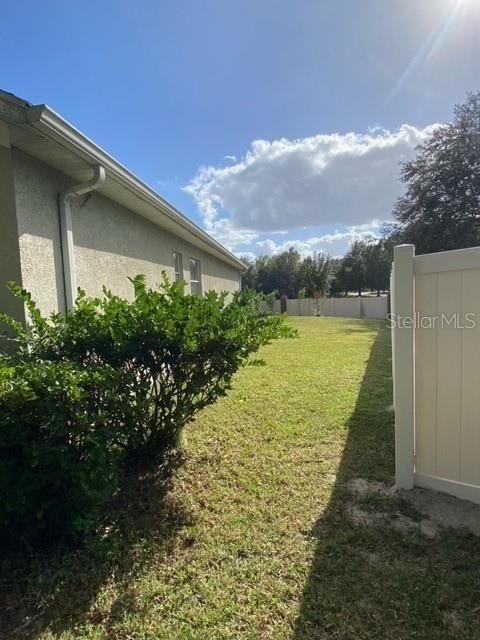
(405, 251)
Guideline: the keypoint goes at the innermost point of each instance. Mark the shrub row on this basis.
(114, 380)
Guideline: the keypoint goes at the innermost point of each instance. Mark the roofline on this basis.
(48, 122)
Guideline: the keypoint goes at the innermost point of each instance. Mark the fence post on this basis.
(402, 322)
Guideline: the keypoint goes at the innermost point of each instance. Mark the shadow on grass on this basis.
(368, 581)
(55, 591)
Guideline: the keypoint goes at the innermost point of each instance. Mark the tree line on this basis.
(366, 266)
(439, 211)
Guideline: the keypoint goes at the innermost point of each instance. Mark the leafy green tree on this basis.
(366, 265)
(441, 207)
(287, 273)
(285, 269)
(266, 282)
(333, 284)
(377, 265)
(351, 272)
(313, 275)
(250, 276)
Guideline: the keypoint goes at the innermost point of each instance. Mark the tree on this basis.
(334, 284)
(377, 265)
(441, 207)
(287, 273)
(285, 269)
(313, 275)
(264, 283)
(366, 265)
(351, 273)
(250, 276)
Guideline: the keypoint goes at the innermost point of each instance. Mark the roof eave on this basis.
(48, 122)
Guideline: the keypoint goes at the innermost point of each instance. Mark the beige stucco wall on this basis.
(10, 269)
(111, 242)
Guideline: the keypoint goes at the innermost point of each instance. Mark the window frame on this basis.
(178, 274)
(199, 274)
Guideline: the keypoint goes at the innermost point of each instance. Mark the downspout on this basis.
(64, 204)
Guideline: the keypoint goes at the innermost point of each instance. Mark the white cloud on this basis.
(335, 244)
(333, 179)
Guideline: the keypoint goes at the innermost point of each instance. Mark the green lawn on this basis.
(252, 537)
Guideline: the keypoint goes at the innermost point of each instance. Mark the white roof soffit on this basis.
(68, 150)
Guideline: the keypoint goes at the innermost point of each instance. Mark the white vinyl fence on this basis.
(361, 307)
(436, 370)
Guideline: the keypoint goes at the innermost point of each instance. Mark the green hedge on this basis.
(115, 379)
(58, 458)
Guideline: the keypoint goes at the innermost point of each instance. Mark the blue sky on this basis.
(337, 93)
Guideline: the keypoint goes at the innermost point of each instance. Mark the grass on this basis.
(251, 536)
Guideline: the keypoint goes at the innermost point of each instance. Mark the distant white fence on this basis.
(436, 370)
(361, 307)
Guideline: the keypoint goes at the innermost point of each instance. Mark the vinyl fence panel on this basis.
(375, 308)
(444, 345)
(356, 307)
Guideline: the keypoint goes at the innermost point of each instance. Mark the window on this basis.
(178, 266)
(195, 277)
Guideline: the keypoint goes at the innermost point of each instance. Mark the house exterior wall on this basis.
(111, 242)
(10, 268)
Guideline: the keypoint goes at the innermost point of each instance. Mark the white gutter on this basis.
(64, 204)
(49, 123)
(52, 126)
